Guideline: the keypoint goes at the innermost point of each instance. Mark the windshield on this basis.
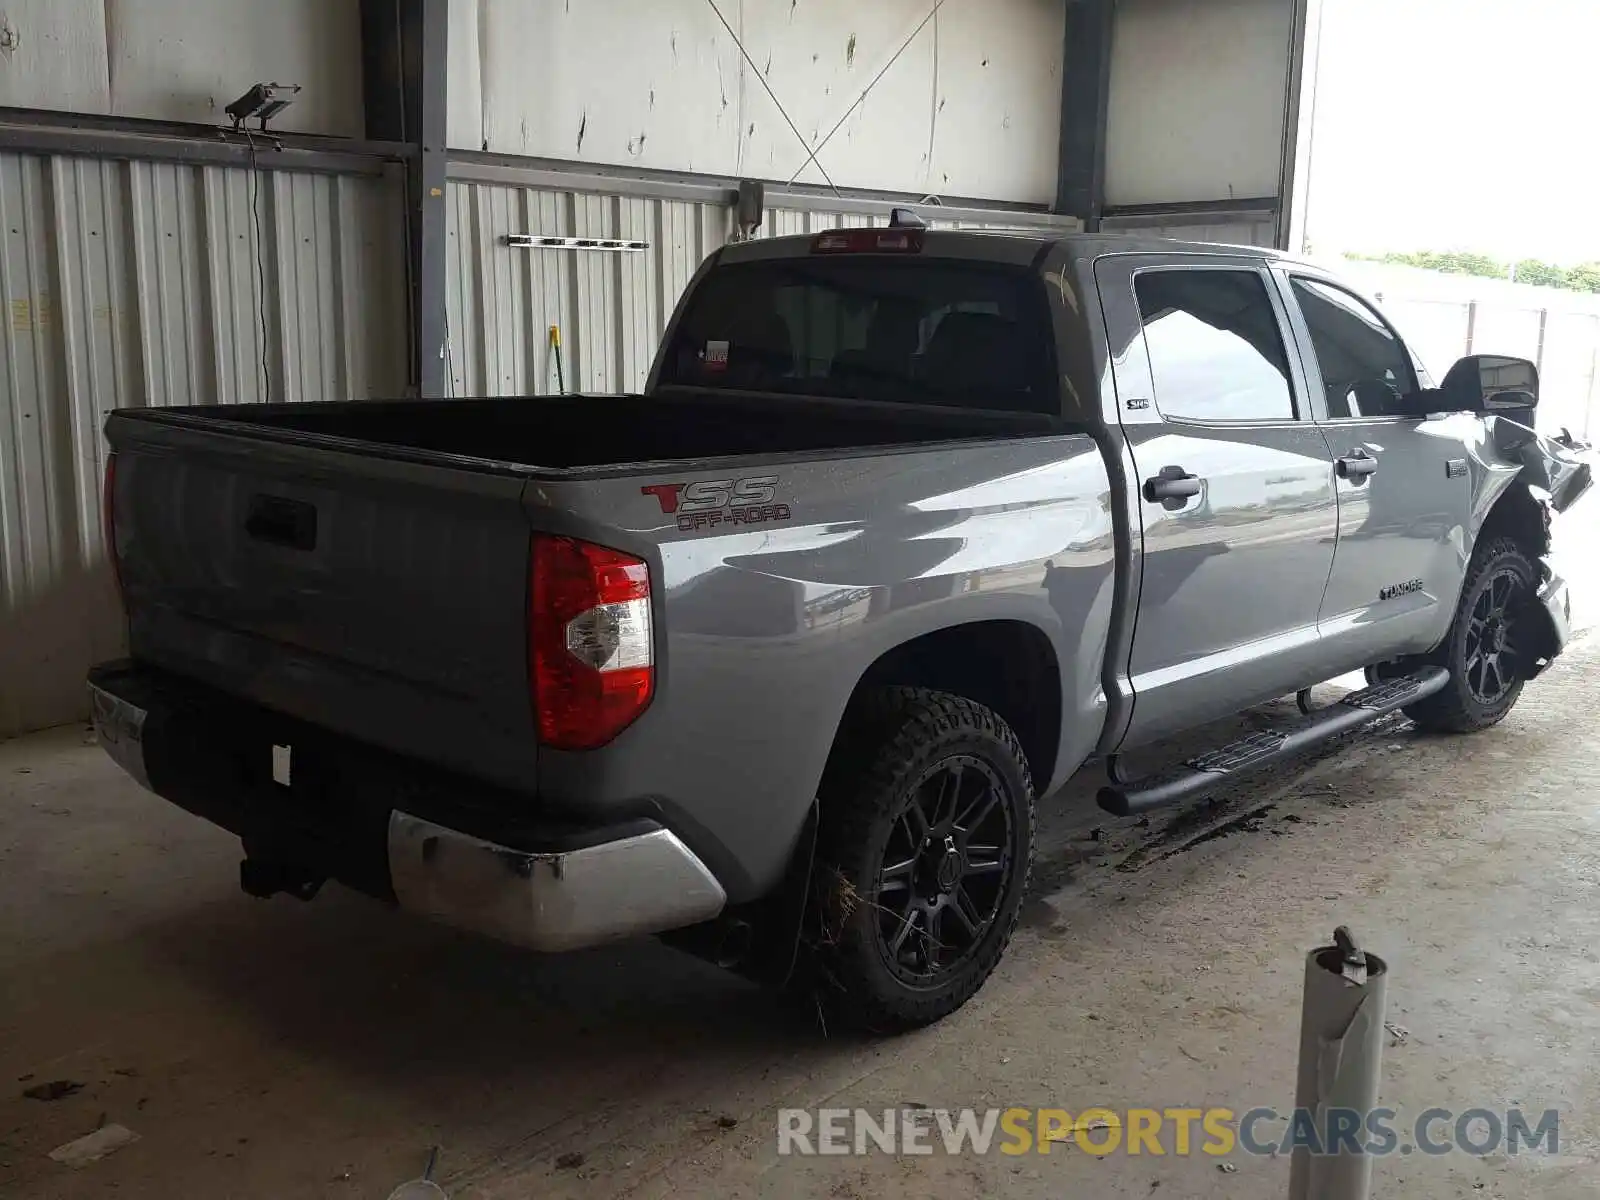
(869, 328)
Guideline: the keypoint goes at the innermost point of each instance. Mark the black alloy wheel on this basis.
(945, 870)
(924, 849)
(1490, 645)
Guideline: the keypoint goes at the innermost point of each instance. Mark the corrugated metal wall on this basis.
(132, 284)
(611, 308)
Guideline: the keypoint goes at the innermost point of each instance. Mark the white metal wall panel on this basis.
(970, 108)
(610, 307)
(60, 60)
(131, 284)
(178, 60)
(1197, 104)
(1233, 231)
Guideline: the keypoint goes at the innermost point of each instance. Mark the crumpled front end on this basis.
(1560, 467)
(1557, 472)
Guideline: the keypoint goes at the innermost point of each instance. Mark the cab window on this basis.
(1366, 369)
(1216, 351)
(965, 335)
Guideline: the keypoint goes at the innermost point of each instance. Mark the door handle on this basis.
(1356, 466)
(1171, 487)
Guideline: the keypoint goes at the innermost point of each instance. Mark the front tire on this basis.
(1486, 647)
(924, 851)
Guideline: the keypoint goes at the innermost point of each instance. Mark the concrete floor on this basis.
(282, 1049)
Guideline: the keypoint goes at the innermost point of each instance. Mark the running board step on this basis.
(1211, 770)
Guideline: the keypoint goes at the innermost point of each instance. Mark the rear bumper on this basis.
(436, 845)
(646, 882)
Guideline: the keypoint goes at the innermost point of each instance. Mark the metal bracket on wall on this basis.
(532, 241)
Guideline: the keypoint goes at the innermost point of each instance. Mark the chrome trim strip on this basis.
(549, 901)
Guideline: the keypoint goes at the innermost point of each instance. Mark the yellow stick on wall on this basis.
(555, 349)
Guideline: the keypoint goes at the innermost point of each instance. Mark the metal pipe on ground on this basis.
(1341, 1054)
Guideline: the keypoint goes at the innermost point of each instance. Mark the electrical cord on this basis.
(261, 266)
(413, 168)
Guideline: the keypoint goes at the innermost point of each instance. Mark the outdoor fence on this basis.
(1445, 317)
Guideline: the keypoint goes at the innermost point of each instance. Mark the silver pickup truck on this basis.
(774, 658)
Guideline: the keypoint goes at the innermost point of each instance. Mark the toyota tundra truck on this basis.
(773, 659)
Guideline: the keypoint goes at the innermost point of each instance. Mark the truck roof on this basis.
(1007, 245)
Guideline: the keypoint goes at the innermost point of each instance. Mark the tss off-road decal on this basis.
(709, 503)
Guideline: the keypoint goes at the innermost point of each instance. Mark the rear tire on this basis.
(924, 851)
(1484, 648)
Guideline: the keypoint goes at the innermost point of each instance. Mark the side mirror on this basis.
(1493, 383)
(1498, 402)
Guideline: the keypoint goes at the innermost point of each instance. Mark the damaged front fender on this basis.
(1558, 467)
(1531, 478)
(1553, 614)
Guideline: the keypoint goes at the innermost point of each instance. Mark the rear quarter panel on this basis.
(764, 630)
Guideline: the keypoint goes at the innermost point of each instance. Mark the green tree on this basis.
(1542, 274)
(1585, 277)
(1582, 278)
(1457, 262)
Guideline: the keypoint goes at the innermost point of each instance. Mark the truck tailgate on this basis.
(383, 599)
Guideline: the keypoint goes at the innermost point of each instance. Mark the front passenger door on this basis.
(1404, 481)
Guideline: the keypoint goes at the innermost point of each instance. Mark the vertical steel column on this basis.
(1299, 124)
(1085, 102)
(405, 51)
(1341, 1053)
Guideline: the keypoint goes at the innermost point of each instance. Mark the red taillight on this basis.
(592, 658)
(108, 520)
(868, 241)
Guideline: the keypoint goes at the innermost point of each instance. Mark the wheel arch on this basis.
(1519, 515)
(1008, 665)
(1522, 518)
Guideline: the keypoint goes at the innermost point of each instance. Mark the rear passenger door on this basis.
(1237, 496)
(1404, 481)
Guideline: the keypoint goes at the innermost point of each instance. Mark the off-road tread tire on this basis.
(1455, 710)
(888, 738)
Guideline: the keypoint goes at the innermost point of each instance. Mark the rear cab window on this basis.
(924, 331)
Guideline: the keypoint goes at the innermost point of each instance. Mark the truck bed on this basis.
(364, 566)
(578, 432)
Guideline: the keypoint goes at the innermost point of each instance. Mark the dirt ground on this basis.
(278, 1049)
